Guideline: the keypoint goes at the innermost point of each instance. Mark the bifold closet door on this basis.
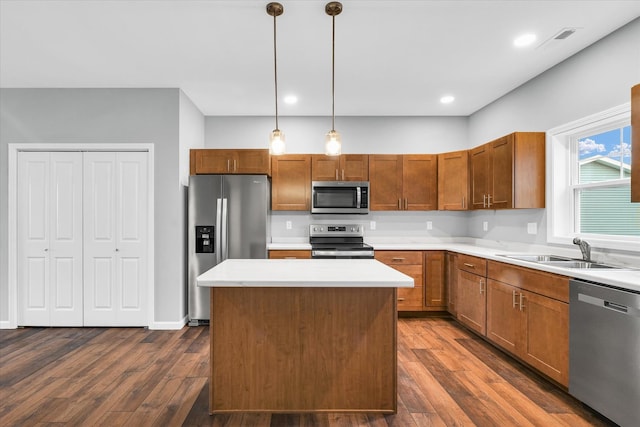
(115, 239)
(50, 239)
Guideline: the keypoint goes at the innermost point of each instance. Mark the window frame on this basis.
(562, 161)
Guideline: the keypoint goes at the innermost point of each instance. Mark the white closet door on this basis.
(50, 239)
(115, 239)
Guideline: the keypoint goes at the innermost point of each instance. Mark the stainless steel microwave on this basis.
(340, 197)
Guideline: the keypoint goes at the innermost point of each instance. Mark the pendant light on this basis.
(276, 139)
(333, 143)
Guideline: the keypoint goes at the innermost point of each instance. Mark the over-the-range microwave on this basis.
(340, 197)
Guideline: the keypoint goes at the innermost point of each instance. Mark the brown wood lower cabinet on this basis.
(451, 281)
(528, 315)
(435, 292)
(471, 292)
(411, 264)
(289, 254)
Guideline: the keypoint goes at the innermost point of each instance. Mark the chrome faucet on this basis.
(585, 248)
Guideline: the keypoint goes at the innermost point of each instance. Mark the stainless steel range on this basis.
(338, 241)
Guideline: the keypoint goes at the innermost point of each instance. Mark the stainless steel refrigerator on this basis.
(228, 218)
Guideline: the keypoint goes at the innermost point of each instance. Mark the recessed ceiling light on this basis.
(290, 99)
(447, 99)
(525, 40)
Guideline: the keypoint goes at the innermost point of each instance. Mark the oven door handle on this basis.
(320, 252)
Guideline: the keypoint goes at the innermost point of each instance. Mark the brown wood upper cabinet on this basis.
(509, 172)
(403, 182)
(453, 181)
(635, 144)
(347, 167)
(240, 161)
(291, 182)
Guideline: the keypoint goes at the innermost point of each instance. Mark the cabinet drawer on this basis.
(289, 254)
(548, 284)
(410, 298)
(472, 264)
(399, 257)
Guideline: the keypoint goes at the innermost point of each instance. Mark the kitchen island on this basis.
(296, 336)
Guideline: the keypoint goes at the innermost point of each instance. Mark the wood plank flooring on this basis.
(135, 377)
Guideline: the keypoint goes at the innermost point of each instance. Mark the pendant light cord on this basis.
(275, 67)
(333, 74)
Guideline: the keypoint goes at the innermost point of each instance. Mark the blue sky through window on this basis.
(608, 144)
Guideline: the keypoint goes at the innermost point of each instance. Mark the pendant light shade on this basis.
(333, 142)
(276, 139)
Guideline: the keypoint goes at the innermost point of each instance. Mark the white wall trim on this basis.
(12, 270)
(169, 325)
(560, 211)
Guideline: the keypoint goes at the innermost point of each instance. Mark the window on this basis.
(589, 173)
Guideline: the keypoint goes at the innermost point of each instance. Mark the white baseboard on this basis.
(169, 325)
(5, 324)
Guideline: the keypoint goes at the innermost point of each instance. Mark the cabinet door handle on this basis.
(343, 174)
(406, 204)
(235, 165)
(399, 205)
(469, 265)
(521, 301)
(336, 174)
(514, 298)
(484, 200)
(488, 200)
(228, 165)
(481, 286)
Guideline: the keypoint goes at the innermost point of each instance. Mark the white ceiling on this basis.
(393, 58)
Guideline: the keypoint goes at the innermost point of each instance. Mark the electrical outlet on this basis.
(429, 225)
(289, 225)
(372, 225)
(532, 228)
(485, 226)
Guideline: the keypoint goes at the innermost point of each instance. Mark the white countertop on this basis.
(320, 273)
(624, 278)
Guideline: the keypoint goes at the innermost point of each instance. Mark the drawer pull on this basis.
(400, 299)
(290, 257)
(398, 259)
(469, 265)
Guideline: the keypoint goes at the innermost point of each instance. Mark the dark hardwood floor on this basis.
(135, 377)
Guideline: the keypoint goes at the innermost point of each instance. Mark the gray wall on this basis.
(147, 116)
(596, 79)
(378, 135)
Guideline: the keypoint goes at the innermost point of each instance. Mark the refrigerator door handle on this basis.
(218, 232)
(225, 230)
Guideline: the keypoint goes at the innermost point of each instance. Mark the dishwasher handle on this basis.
(599, 302)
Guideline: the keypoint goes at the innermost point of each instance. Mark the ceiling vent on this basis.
(558, 37)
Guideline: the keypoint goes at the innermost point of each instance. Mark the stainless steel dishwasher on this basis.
(604, 350)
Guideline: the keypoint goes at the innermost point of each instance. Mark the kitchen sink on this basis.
(559, 261)
(578, 264)
(538, 258)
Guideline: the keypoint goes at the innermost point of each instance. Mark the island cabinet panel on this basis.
(291, 182)
(289, 254)
(435, 296)
(411, 264)
(303, 350)
(453, 181)
(471, 295)
(528, 315)
(635, 147)
(509, 172)
(237, 161)
(347, 167)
